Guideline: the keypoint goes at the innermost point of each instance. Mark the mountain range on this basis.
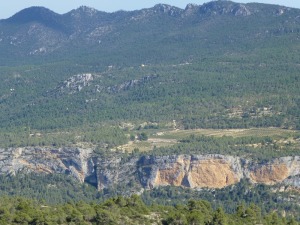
(230, 51)
(145, 35)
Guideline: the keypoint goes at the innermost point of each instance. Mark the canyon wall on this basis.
(215, 171)
(191, 171)
(74, 161)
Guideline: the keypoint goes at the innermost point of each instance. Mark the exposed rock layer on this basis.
(192, 171)
(74, 161)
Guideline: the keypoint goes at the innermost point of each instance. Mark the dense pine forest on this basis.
(195, 67)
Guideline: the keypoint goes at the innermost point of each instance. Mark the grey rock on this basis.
(74, 161)
(147, 172)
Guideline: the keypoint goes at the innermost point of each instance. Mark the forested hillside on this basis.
(219, 65)
(132, 210)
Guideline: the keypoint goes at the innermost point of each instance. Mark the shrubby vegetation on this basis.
(201, 95)
(256, 148)
(211, 71)
(54, 189)
(229, 198)
(205, 94)
(101, 135)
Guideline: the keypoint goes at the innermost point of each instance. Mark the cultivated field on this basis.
(163, 138)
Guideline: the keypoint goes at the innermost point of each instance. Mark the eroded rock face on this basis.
(76, 83)
(113, 171)
(270, 174)
(225, 8)
(74, 161)
(212, 171)
(275, 171)
(172, 174)
(190, 171)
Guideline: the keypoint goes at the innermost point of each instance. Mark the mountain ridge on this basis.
(58, 34)
(160, 6)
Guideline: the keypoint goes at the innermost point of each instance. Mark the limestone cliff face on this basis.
(113, 171)
(276, 170)
(191, 171)
(74, 161)
(212, 171)
(217, 171)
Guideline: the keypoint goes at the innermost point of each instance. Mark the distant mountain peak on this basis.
(87, 9)
(191, 6)
(164, 8)
(222, 7)
(33, 14)
(84, 11)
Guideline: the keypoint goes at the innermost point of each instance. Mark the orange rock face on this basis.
(212, 173)
(270, 174)
(172, 177)
(218, 171)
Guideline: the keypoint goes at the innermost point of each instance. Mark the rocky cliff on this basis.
(74, 161)
(191, 171)
(215, 171)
